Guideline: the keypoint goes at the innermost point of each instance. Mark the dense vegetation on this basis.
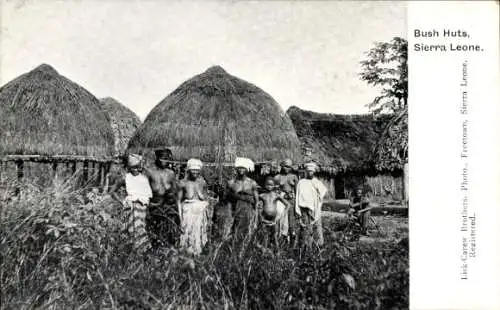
(67, 250)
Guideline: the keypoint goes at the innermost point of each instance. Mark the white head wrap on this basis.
(311, 167)
(194, 164)
(134, 160)
(243, 162)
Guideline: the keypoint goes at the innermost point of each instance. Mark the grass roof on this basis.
(124, 122)
(391, 151)
(215, 116)
(340, 142)
(44, 113)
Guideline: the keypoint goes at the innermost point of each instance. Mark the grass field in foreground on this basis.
(67, 251)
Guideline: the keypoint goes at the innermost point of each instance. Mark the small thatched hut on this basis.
(216, 117)
(344, 146)
(124, 123)
(48, 120)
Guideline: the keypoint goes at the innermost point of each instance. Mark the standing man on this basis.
(309, 199)
(286, 183)
(192, 197)
(163, 218)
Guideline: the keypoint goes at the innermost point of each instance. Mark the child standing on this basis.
(270, 215)
(135, 204)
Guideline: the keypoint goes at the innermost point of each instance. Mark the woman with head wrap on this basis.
(193, 206)
(243, 196)
(309, 199)
(135, 204)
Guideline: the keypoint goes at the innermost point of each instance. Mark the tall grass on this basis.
(66, 249)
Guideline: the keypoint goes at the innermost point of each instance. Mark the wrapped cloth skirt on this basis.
(194, 226)
(135, 213)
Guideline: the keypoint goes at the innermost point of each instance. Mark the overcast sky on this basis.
(302, 53)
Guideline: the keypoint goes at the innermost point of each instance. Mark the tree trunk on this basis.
(92, 165)
(102, 177)
(54, 170)
(73, 168)
(20, 170)
(85, 171)
(20, 176)
(107, 170)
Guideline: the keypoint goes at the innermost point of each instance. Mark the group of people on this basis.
(287, 210)
(163, 211)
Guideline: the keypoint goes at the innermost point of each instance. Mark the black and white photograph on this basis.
(204, 155)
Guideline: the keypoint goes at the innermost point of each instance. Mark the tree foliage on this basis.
(386, 67)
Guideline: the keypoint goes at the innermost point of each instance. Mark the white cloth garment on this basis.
(193, 164)
(138, 188)
(310, 194)
(194, 224)
(282, 218)
(244, 163)
(311, 167)
(134, 160)
(287, 163)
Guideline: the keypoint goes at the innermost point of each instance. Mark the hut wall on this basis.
(346, 184)
(8, 173)
(329, 182)
(46, 174)
(382, 187)
(37, 174)
(387, 187)
(406, 183)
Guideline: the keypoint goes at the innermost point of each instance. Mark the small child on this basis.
(135, 204)
(270, 214)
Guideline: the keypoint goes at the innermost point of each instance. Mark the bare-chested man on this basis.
(193, 206)
(243, 196)
(286, 182)
(163, 221)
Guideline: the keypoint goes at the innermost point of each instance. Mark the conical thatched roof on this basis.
(215, 116)
(339, 142)
(43, 113)
(124, 123)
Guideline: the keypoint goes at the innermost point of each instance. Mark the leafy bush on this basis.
(69, 250)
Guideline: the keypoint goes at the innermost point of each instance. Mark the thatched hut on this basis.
(49, 120)
(124, 122)
(344, 146)
(216, 117)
